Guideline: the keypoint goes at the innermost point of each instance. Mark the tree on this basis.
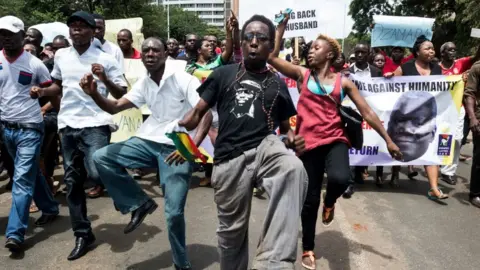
(154, 17)
(453, 18)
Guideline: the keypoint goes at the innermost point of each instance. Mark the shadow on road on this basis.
(335, 248)
(201, 257)
(112, 234)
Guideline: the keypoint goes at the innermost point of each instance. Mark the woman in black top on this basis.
(422, 65)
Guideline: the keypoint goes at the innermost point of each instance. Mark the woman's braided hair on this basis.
(336, 48)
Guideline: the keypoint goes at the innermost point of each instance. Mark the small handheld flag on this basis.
(186, 147)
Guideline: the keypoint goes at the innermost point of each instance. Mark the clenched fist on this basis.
(36, 92)
(88, 84)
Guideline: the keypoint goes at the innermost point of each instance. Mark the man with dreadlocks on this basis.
(319, 122)
(251, 102)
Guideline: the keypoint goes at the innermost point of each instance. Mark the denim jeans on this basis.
(23, 145)
(127, 194)
(78, 146)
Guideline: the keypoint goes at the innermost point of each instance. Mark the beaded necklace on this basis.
(267, 82)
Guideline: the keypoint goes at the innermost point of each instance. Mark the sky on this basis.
(333, 14)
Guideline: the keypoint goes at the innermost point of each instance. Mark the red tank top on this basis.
(318, 119)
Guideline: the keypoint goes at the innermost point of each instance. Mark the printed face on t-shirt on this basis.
(245, 95)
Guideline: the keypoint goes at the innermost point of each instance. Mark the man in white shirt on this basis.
(170, 93)
(83, 126)
(23, 129)
(107, 46)
(361, 68)
(112, 49)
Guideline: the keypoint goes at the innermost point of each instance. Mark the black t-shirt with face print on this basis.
(241, 106)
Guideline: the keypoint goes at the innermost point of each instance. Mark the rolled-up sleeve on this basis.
(473, 81)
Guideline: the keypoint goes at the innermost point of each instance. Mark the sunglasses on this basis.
(260, 37)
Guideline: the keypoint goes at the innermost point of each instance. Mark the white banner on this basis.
(307, 19)
(420, 114)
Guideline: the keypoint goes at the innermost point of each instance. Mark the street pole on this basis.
(344, 19)
(168, 20)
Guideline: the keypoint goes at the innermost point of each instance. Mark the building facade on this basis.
(213, 12)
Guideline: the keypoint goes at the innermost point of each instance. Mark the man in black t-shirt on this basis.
(251, 103)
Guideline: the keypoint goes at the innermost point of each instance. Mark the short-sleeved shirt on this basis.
(112, 49)
(136, 54)
(215, 63)
(472, 89)
(459, 66)
(409, 69)
(169, 101)
(77, 109)
(16, 80)
(243, 122)
(390, 65)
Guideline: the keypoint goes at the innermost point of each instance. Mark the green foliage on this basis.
(352, 40)
(154, 17)
(453, 18)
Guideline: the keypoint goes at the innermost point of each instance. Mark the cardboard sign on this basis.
(400, 31)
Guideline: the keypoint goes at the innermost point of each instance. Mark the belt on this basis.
(12, 125)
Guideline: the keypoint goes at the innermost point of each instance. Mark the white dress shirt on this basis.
(77, 109)
(169, 101)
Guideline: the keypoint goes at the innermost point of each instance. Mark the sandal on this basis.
(311, 256)
(33, 208)
(434, 197)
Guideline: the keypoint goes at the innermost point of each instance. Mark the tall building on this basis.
(213, 12)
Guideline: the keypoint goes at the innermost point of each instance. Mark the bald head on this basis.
(172, 47)
(153, 54)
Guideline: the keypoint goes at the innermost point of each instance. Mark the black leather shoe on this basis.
(475, 201)
(449, 179)
(349, 192)
(139, 215)
(81, 247)
(44, 220)
(179, 268)
(13, 245)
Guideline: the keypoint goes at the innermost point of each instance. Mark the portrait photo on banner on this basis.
(419, 113)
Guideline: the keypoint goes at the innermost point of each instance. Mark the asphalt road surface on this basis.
(378, 228)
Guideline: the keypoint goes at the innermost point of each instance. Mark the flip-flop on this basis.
(33, 208)
(433, 197)
(311, 256)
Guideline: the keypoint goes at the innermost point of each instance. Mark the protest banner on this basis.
(293, 90)
(400, 31)
(51, 30)
(475, 33)
(305, 20)
(420, 114)
(129, 121)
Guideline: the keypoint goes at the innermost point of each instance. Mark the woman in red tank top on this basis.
(319, 122)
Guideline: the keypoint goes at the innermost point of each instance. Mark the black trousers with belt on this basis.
(475, 175)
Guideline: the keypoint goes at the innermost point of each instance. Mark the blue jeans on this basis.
(78, 146)
(23, 145)
(127, 194)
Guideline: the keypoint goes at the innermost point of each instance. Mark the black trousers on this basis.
(466, 129)
(334, 159)
(357, 172)
(6, 158)
(475, 175)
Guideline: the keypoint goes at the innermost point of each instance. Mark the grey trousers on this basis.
(284, 179)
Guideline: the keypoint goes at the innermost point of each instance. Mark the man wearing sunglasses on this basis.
(248, 155)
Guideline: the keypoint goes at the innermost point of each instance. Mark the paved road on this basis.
(377, 229)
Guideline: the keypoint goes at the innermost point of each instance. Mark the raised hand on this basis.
(99, 71)
(88, 84)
